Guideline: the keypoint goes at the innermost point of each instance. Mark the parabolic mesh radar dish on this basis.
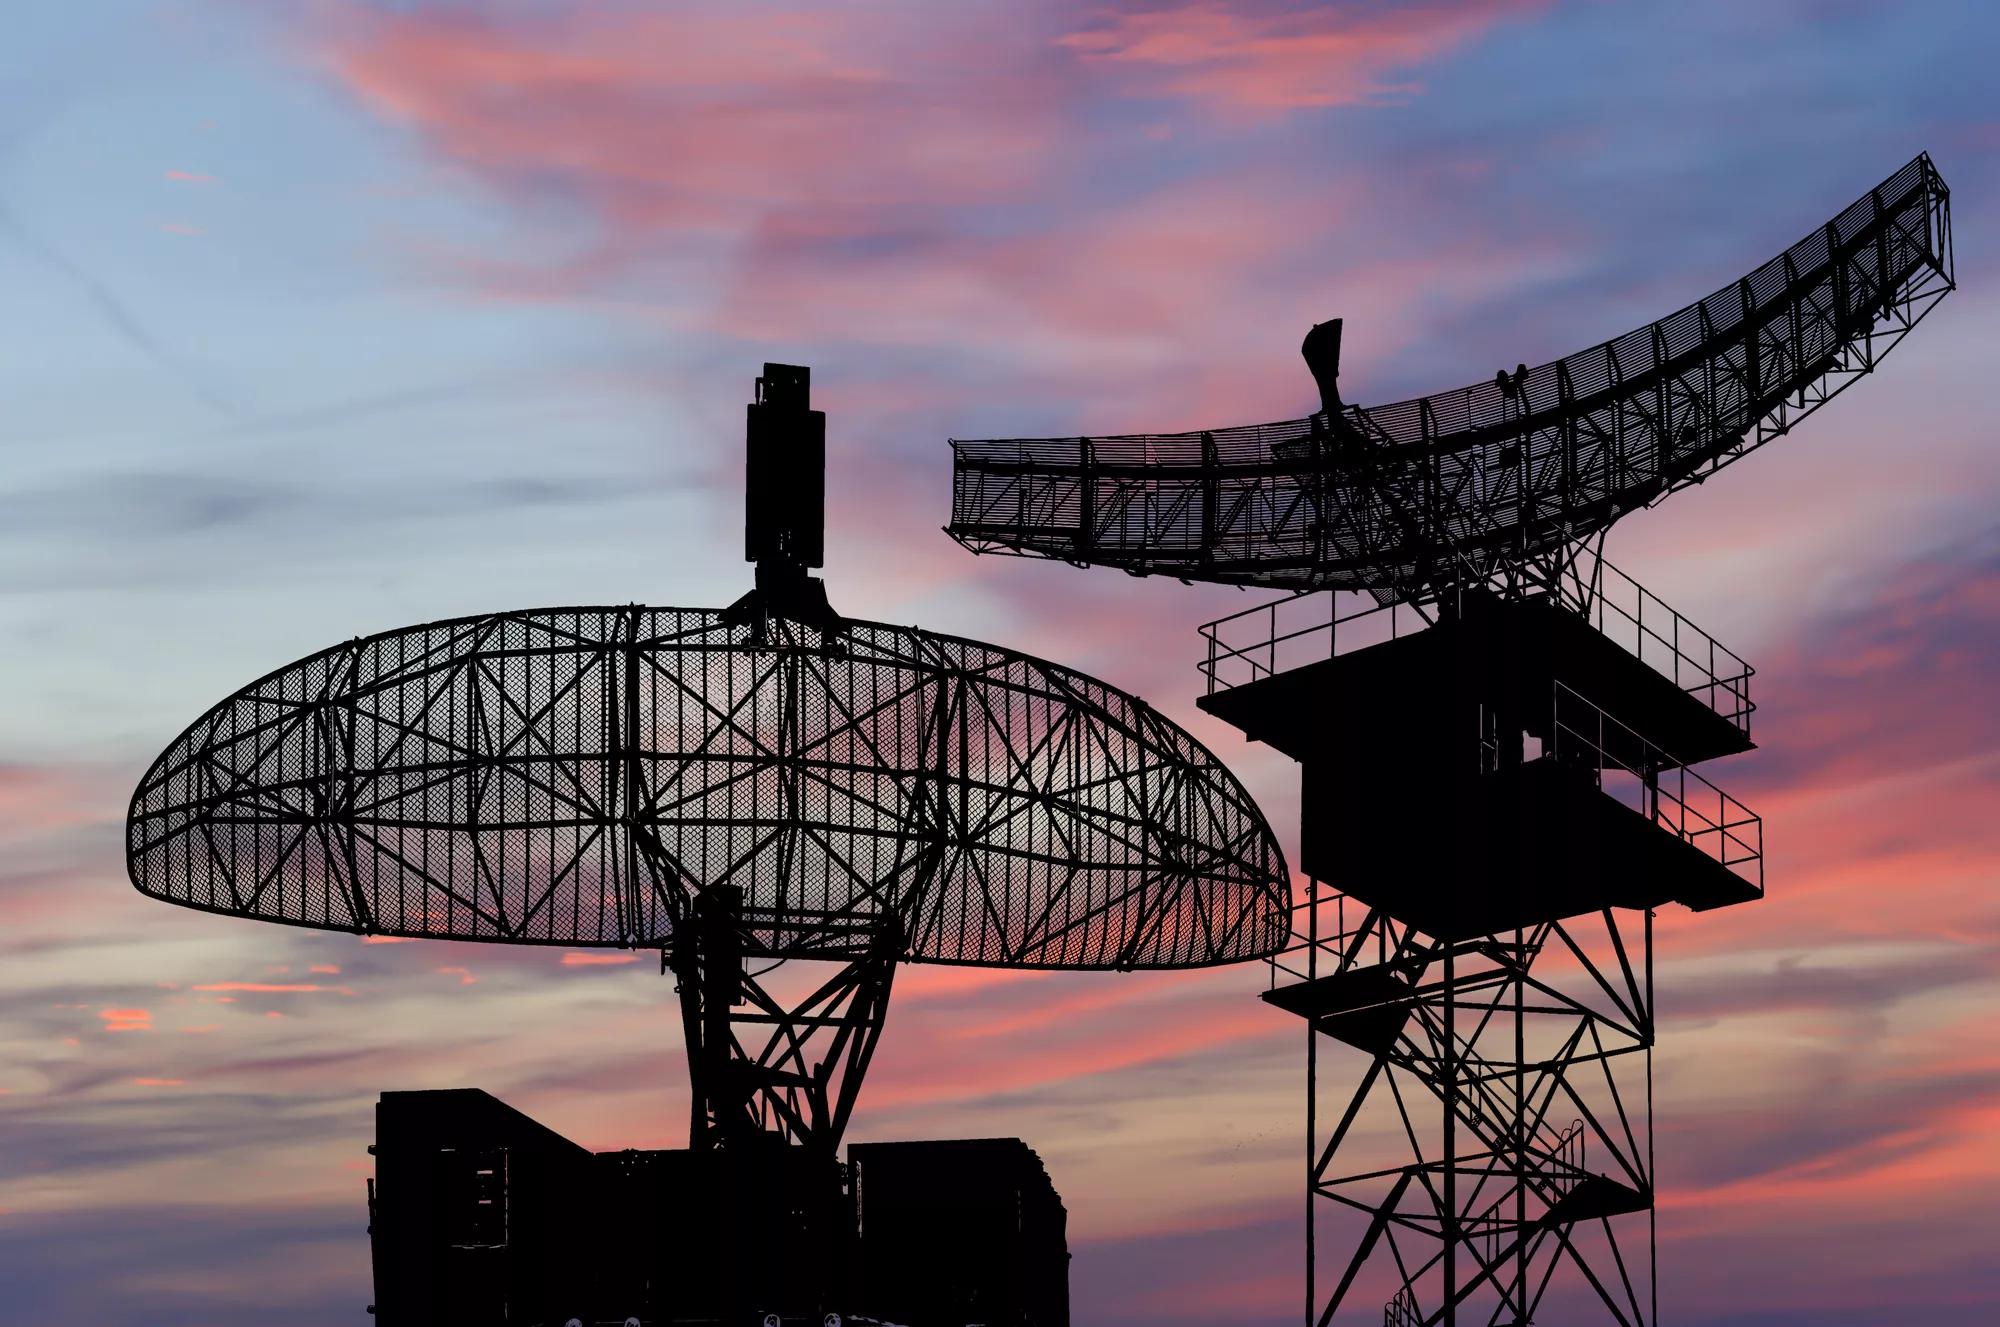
(578, 776)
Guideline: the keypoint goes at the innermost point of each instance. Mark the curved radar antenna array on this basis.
(1501, 481)
(1479, 669)
(745, 789)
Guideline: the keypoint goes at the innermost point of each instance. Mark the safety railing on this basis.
(1494, 1229)
(1299, 629)
(1568, 1157)
(1648, 780)
(1401, 1311)
(1307, 627)
(1639, 621)
(1322, 943)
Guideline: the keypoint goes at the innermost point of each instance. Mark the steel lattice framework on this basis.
(1506, 1111)
(764, 789)
(1485, 947)
(579, 776)
(1490, 479)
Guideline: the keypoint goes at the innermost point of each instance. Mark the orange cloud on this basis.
(159, 1082)
(329, 969)
(464, 975)
(127, 1020)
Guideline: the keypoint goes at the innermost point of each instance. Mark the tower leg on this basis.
(1536, 1047)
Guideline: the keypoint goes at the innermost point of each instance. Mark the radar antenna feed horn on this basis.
(1321, 349)
(784, 502)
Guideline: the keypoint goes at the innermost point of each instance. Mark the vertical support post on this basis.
(1086, 500)
(708, 961)
(1652, 1175)
(1449, 1225)
(1312, 1100)
(1519, 1125)
(627, 756)
(1753, 382)
(1211, 497)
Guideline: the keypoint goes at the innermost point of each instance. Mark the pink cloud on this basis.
(1949, 1149)
(464, 975)
(702, 119)
(268, 986)
(42, 799)
(159, 1082)
(942, 1063)
(326, 969)
(586, 959)
(190, 177)
(1107, 994)
(1250, 58)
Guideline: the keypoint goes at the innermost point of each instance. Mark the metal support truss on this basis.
(760, 1066)
(773, 1079)
(1499, 1126)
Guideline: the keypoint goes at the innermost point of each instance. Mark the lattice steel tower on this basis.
(1497, 746)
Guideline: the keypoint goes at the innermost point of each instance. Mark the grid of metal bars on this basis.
(1401, 498)
(1540, 1073)
(577, 776)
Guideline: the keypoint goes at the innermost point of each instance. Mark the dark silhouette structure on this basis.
(1509, 480)
(1497, 730)
(786, 803)
(989, 1248)
(478, 1214)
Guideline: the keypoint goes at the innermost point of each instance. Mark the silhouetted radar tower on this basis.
(743, 789)
(1496, 729)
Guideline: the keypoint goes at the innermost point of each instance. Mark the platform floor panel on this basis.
(1594, 1197)
(1341, 992)
(1516, 849)
(1509, 654)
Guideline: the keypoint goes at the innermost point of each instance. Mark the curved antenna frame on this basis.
(579, 776)
(1506, 480)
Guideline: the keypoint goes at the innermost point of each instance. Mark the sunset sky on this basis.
(324, 317)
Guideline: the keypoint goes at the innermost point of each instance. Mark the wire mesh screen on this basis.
(1400, 494)
(577, 776)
